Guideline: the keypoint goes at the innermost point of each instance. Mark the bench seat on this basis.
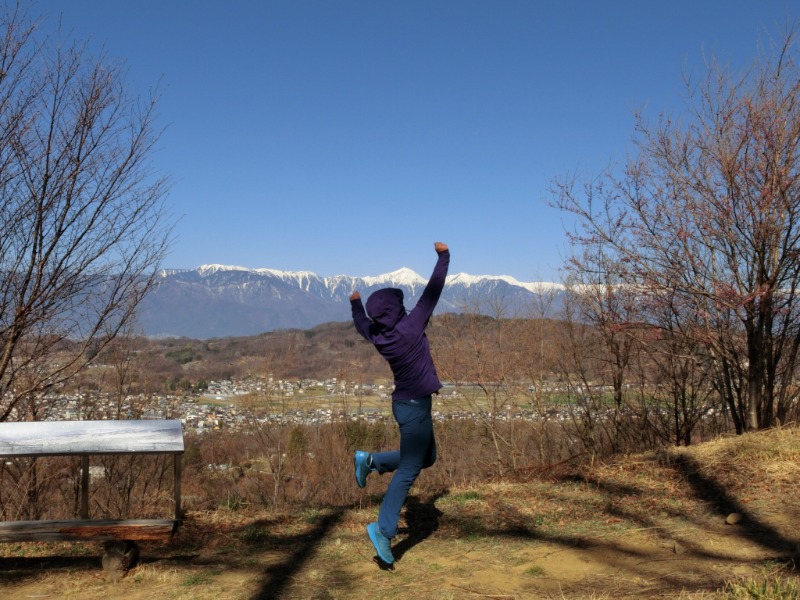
(85, 530)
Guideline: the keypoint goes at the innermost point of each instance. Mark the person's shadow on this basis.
(422, 519)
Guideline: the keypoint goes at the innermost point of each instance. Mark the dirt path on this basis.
(638, 528)
(327, 555)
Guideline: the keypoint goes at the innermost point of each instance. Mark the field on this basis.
(643, 526)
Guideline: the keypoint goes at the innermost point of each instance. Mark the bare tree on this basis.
(488, 360)
(600, 315)
(707, 215)
(83, 226)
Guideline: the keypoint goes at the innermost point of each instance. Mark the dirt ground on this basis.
(642, 527)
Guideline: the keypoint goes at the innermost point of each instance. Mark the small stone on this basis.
(734, 518)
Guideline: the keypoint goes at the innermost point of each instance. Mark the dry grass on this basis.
(771, 456)
(644, 526)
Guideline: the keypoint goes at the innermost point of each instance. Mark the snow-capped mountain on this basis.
(220, 300)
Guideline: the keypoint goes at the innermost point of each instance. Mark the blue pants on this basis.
(417, 452)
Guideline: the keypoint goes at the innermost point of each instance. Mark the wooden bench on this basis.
(85, 439)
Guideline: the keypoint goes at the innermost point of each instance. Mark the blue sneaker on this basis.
(381, 543)
(362, 468)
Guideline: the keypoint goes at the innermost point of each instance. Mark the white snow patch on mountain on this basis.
(537, 287)
(404, 276)
(466, 280)
(206, 270)
(303, 279)
(540, 287)
(294, 275)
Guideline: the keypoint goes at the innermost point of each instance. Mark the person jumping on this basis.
(400, 338)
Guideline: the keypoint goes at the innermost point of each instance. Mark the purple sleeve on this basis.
(360, 318)
(419, 316)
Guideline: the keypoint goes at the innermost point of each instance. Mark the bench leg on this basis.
(119, 557)
(84, 486)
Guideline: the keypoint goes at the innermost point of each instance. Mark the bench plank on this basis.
(49, 438)
(91, 530)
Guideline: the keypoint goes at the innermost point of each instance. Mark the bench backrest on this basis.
(56, 438)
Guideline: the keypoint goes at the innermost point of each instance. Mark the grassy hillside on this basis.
(644, 526)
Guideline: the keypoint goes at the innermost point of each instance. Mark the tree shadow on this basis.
(279, 575)
(708, 491)
(422, 520)
(717, 497)
(634, 509)
(18, 569)
(21, 568)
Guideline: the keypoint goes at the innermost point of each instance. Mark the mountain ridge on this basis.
(215, 300)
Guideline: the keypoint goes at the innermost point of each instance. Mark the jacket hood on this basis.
(385, 307)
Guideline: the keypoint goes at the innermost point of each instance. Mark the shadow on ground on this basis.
(301, 548)
(422, 519)
(17, 570)
(717, 497)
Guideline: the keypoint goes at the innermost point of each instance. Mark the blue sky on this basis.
(345, 137)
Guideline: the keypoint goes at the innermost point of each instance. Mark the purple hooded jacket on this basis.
(400, 336)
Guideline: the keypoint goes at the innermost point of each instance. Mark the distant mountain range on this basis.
(221, 301)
